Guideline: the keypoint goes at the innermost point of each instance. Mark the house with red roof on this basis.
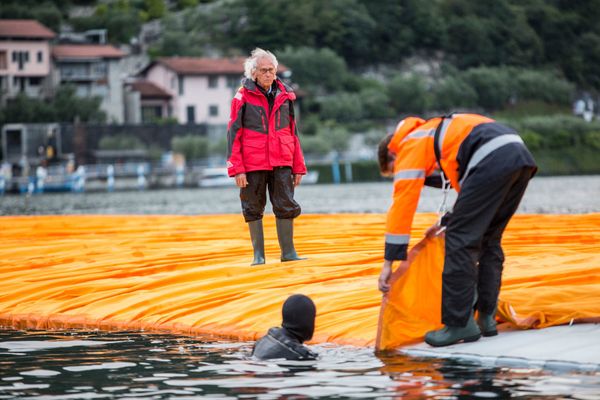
(94, 70)
(24, 58)
(201, 88)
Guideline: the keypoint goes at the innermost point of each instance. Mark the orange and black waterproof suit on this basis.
(489, 165)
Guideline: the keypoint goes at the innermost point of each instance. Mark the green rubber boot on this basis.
(487, 323)
(285, 235)
(258, 241)
(453, 334)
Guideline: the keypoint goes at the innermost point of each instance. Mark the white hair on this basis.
(251, 62)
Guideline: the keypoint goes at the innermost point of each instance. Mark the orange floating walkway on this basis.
(191, 274)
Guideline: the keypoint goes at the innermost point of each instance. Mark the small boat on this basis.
(215, 177)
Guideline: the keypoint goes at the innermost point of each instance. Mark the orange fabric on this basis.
(191, 274)
(551, 277)
(413, 305)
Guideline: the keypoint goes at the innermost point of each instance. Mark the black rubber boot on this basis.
(487, 323)
(258, 241)
(285, 235)
(453, 334)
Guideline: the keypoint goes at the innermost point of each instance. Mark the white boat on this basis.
(215, 177)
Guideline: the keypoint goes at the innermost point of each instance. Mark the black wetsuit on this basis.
(279, 343)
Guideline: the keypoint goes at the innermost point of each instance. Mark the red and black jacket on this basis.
(260, 137)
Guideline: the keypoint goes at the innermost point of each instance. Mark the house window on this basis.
(151, 113)
(173, 82)
(19, 83)
(99, 69)
(191, 114)
(233, 82)
(3, 60)
(213, 81)
(21, 58)
(180, 84)
(83, 90)
(40, 56)
(213, 110)
(35, 81)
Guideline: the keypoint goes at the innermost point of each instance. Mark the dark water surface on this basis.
(94, 365)
(136, 365)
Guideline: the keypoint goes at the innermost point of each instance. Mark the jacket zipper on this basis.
(262, 118)
(278, 119)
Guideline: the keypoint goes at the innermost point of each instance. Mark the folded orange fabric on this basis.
(191, 274)
(551, 277)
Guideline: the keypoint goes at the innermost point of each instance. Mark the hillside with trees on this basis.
(364, 64)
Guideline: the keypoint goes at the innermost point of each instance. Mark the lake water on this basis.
(137, 365)
(133, 365)
(572, 194)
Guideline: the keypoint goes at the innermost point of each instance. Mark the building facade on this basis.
(25, 63)
(94, 70)
(201, 88)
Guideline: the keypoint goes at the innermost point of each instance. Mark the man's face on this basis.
(390, 164)
(265, 72)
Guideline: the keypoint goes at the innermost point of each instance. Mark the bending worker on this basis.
(489, 166)
(298, 325)
(264, 152)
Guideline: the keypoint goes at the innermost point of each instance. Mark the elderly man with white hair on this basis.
(264, 152)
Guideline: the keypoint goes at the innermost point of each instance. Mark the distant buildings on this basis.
(94, 70)
(188, 90)
(24, 59)
(201, 89)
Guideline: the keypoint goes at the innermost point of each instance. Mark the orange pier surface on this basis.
(191, 274)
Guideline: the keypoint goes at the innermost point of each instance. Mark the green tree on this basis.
(489, 32)
(153, 9)
(192, 146)
(68, 106)
(119, 18)
(341, 25)
(451, 94)
(494, 86)
(316, 70)
(341, 107)
(408, 94)
(64, 107)
(375, 101)
(542, 85)
(121, 142)
(47, 12)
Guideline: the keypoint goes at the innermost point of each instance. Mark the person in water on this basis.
(298, 314)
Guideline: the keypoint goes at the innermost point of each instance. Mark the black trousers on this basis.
(474, 258)
(279, 182)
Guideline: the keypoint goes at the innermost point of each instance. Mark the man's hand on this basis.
(297, 179)
(241, 181)
(434, 230)
(384, 277)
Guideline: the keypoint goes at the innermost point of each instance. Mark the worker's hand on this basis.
(297, 179)
(384, 276)
(434, 230)
(241, 181)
